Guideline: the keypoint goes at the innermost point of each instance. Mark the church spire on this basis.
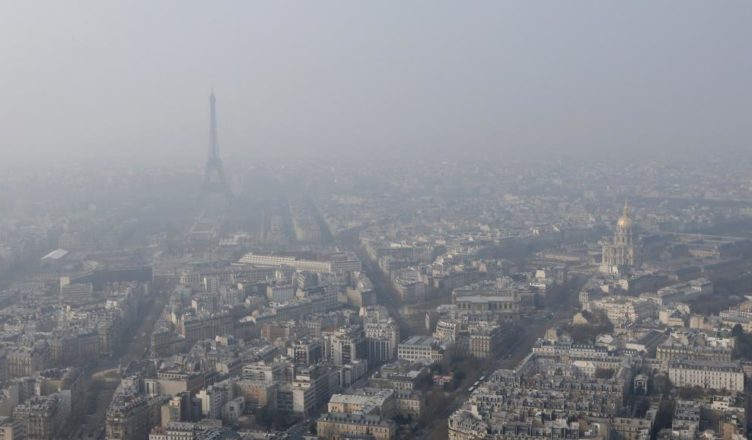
(625, 223)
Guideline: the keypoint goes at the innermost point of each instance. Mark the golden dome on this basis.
(624, 221)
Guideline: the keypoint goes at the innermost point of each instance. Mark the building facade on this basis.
(712, 375)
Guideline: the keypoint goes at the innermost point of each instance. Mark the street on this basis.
(103, 377)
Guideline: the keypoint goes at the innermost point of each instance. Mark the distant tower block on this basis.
(214, 175)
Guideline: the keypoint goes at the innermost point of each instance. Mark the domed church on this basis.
(619, 254)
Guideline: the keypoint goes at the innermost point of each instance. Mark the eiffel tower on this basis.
(214, 175)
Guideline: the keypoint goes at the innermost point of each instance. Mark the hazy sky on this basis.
(132, 78)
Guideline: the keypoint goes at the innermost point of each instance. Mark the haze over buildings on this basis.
(375, 221)
(128, 79)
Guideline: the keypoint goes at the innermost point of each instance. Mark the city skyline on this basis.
(429, 220)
